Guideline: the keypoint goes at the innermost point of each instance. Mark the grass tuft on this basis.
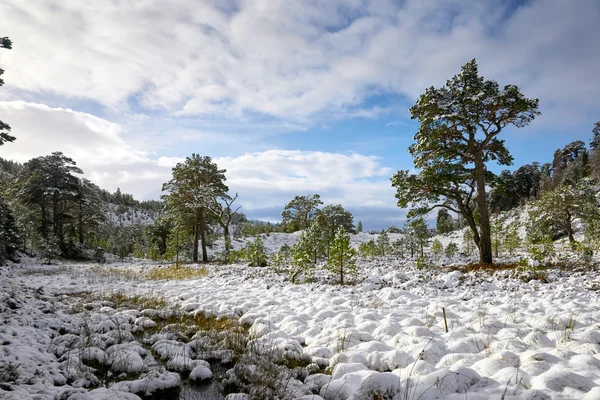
(177, 273)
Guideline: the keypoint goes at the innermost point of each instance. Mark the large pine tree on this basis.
(458, 135)
(195, 185)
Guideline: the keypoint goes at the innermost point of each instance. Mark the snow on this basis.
(386, 334)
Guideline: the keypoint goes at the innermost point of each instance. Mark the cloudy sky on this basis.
(291, 97)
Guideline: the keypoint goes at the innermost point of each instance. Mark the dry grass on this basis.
(170, 272)
(123, 301)
(482, 267)
(177, 273)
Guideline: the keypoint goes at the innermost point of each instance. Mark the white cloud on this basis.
(296, 59)
(266, 180)
(95, 144)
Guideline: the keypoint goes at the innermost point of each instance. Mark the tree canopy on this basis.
(458, 134)
(299, 212)
(195, 185)
(5, 43)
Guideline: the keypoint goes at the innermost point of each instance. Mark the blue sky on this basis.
(291, 97)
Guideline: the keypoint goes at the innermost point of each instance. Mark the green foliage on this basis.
(497, 229)
(511, 238)
(341, 262)
(540, 250)
(255, 253)
(195, 185)
(282, 259)
(457, 136)
(383, 244)
(420, 232)
(421, 263)
(299, 212)
(52, 201)
(468, 244)
(303, 262)
(5, 43)
(49, 249)
(557, 209)
(399, 247)
(359, 227)
(239, 255)
(255, 228)
(595, 141)
(368, 249)
(335, 216)
(451, 250)
(437, 248)
(9, 238)
(444, 222)
(393, 229)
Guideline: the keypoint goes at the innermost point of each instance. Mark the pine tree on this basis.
(302, 259)
(341, 262)
(299, 212)
(9, 239)
(359, 227)
(383, 244)
(451, 250)
(595, 141)
(444, 222)
(497, 227)
(5, 43)
(437, 248)
(421, 233)
(194, 186)
(458, 135)
(511, 238)
(255, 251)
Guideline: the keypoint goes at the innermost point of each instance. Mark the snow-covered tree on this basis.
(5, 43)
(444, 222)
(383, 244)
(342, 262)
(303, 262)
(556, 211)
(222, 210)
(421, 233)
(437, 248)
(195, 185)
(595, 141)
(9, 239)
(49, 184)
(510, 237)
(299, 212)
(457, 137)
(451, 250)
(359, 227)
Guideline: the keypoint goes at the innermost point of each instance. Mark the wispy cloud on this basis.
(292, 60)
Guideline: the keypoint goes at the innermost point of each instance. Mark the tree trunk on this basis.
(203, 235)
(55, 217)
(226, 238)
(485, 242)
(570, 231)
(196, 238)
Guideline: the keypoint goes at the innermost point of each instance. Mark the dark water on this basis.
(209, 391)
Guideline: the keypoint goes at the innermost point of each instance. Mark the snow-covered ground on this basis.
(507, 338)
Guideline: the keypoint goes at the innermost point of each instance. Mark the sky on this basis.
(290, 97)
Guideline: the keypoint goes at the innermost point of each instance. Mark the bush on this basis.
(437, 248)
(255, 253)
(451, 250)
